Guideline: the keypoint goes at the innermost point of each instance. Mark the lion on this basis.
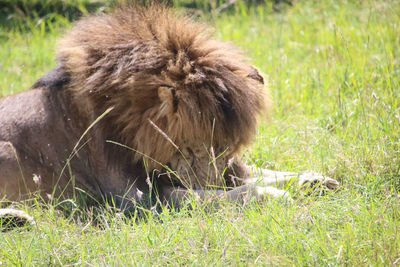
(143, 100)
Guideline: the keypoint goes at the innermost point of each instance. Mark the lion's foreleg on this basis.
(280, 179)
(241, 194)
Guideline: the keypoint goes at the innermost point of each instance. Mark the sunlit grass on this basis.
(334, 74)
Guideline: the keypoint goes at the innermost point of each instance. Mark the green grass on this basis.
(334, 73)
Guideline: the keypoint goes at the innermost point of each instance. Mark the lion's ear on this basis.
(255, 75)
(169, 102)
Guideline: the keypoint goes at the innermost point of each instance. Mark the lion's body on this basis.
(33, 140)
(179, 100)
(38, 133)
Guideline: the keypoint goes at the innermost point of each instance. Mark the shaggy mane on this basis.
(152, 65)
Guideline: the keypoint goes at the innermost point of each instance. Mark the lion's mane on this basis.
(159, 69)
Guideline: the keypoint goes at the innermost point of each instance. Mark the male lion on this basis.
(142, 100)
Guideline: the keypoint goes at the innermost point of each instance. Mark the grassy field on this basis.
(334, 71)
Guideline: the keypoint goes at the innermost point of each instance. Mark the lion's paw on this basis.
(312, 180)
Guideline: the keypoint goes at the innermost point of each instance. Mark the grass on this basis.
(334, 74)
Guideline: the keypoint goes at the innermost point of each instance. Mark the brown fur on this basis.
(180, 100)
(152, 65)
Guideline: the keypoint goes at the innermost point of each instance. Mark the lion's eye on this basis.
(189, 151)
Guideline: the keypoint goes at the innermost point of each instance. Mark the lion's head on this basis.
(179, 97)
